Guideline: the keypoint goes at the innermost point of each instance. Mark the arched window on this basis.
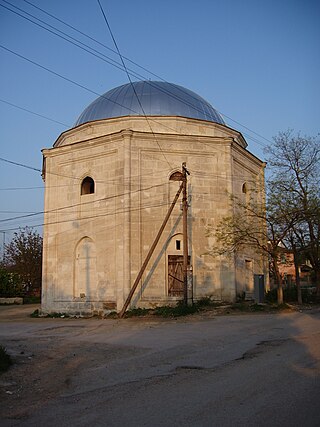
(87, 186)
(176, 176)
(244, 188)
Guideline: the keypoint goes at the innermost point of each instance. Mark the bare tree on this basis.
(295, 164)
(291, 216)
(255, 226)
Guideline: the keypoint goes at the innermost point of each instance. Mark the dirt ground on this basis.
(59, 361)
(48, 354)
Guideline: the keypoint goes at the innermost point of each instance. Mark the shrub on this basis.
(290, 294)
(31, 300)
(179, 310)
(10, 284)
(5, 359)
(207, 302)
(137, 312)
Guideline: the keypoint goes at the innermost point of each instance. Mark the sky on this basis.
(257, 62)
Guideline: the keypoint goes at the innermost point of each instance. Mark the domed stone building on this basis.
(109, 182)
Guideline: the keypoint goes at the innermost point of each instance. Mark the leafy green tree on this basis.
(10, 284)
(23, 257)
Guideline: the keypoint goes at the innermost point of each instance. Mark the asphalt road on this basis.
(232, 370)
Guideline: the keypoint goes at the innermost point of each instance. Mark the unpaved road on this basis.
(202, 370)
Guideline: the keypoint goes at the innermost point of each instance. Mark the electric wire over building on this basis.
(109, 182)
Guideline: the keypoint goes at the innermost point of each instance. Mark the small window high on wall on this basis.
(87, 186)
(244, 188)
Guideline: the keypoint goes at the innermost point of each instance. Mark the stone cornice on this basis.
(159, 126)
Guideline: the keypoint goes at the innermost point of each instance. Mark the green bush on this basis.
(137, 312)
(179, 310)
(36, 313)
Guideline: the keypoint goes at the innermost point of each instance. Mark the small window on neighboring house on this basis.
(87, 186)
(178, 245)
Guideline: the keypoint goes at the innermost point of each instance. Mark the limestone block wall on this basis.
(83, 235)
(95, 244)
(209, 166)
(248, 189)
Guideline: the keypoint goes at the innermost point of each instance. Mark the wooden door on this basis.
(175, 275)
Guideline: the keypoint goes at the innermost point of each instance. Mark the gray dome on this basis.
(156, 98)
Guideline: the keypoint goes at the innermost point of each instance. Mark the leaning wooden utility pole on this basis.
(185, 233)
(144, 265)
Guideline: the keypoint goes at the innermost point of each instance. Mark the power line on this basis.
(105, 214)
(64, 36)
(16, 212)
(113, 63)
(97, 54)
(75, 42)
(20, 164)
(67, 176)
(250, 130)
(61, 76)
(92, 38)
(23, 188)
(75, 83)
(132, 178)
(128, 59)
(153, 84)
(129, 78)
(83, 203)
(32, 112)
(93, 216)
(203, 176)
(123, 68)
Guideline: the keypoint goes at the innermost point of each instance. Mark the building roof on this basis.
(156, 98)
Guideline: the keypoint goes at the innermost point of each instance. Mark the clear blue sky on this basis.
(257, 62)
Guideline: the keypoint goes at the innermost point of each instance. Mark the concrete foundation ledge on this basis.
(15, 300)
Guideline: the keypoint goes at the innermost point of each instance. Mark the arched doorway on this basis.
(85, 269)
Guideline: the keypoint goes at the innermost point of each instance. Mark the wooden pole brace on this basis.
(144, 265)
